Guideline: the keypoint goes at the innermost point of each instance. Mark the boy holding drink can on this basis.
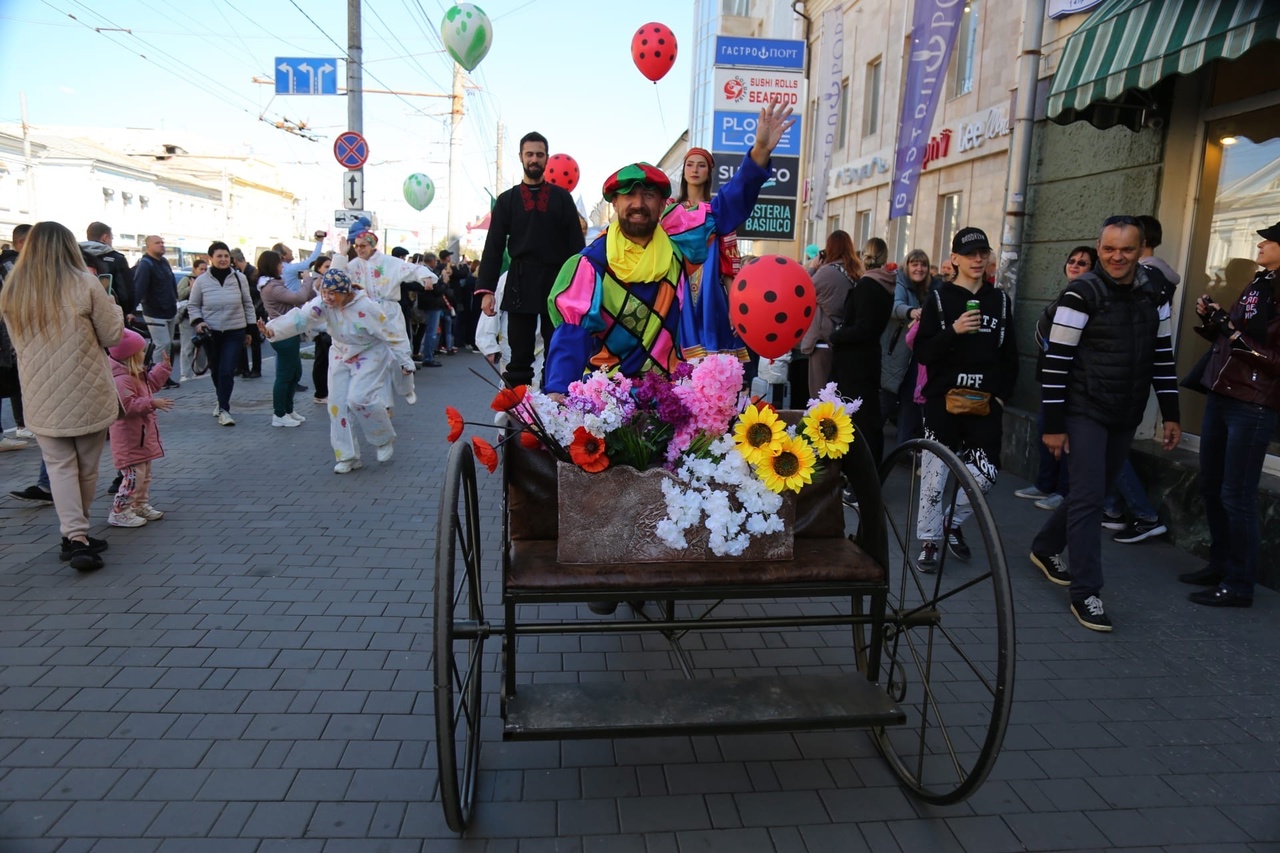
(966, 343)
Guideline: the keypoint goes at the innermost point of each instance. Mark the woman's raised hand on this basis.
(774, 121)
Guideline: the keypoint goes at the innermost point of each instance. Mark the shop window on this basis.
(862, 225)
(948, 223)
(965, 53)
(1241, 175)
(842, 133)
(871, 98)
(899, 238)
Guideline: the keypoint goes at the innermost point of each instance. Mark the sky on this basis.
(561, 67)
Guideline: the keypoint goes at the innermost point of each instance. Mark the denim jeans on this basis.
(446, 329)
(1052, 478)
(430, 334)
(225, 351)
(1097, 454)
(1129, 488)
(1233, 445)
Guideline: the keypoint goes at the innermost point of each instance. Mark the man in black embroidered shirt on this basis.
(537, 224)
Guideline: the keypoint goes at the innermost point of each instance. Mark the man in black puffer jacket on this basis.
(1110, 341)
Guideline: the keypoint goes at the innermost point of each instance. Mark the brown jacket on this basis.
(67, 389)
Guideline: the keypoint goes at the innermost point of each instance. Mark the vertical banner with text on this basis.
(827, 125)
(933, 34)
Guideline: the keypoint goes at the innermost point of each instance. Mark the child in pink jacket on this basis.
(135, 437)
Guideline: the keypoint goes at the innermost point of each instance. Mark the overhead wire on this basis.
(190, 79)
(347, 56)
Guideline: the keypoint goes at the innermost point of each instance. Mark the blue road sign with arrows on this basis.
(316, 75)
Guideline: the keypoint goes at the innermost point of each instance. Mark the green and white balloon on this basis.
(419, 190)
(467, 33)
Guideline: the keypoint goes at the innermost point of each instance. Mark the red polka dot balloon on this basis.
(771, 304)
(653, 50)
(562, 170)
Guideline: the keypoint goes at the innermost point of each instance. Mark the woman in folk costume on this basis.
(702, 229)
(369, 344)
(380, 277)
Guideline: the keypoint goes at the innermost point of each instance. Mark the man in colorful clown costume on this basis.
(380, 277)
(618, 303)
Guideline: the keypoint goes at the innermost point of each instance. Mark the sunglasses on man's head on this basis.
(1119, 220)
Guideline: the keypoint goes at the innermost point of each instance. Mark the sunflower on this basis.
(791, 468)
(508, 398)
(587, 451)
(455, 423)
(830, 429)
(485, 453)
(758, 434)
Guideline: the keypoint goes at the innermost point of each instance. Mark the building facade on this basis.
(963, 179)
(66, 176)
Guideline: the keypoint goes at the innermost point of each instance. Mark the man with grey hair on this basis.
(157, 289)
(1109, 344)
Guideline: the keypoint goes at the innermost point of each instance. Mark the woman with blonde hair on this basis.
(61, 320)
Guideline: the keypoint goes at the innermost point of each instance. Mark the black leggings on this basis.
(320, 367)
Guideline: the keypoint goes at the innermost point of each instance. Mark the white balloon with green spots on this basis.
(467, 33)
(419, 190)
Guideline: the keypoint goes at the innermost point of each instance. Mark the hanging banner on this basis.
(933, 34)
(831, 68)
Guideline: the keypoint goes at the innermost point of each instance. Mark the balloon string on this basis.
(661, 116)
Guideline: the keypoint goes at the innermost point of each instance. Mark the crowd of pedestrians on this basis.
(86, 345)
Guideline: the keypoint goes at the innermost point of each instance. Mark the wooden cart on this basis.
(929, 670)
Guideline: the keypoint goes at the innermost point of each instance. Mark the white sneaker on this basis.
(125, 519)
(346, 466)
(285, 421)
(386, 451)
(8, 443)
(295, 416)
(411, 397)
(320, 401)
(217, 410)
(225, 419)
(23, 432)
(148, 512)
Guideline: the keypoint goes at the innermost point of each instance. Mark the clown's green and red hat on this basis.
(628, 178)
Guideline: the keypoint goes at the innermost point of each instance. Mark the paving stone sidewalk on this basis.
(252, 675)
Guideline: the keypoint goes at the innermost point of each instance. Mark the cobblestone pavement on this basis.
(252, 675)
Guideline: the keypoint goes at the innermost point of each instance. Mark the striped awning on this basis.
(1127, 46)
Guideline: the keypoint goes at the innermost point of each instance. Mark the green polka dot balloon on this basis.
(419, 191)
(467, 33)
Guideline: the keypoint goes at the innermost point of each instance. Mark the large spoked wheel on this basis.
(947, 644)
(459, 641)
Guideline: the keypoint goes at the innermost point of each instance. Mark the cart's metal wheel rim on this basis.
(948, 639)
(458, 660)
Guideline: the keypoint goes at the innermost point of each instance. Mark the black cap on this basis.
(969, 240)
(399, 252)
(1272, 233)
(446, 254)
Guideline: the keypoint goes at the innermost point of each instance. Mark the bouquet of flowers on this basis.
(730, 458)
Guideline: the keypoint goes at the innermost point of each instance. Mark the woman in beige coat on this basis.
(61, 320)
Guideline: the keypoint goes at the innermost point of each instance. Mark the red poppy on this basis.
(529, 441)
(485, 453)
(455, 423)
(508, 398)
(761, 404)
(587, 451)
